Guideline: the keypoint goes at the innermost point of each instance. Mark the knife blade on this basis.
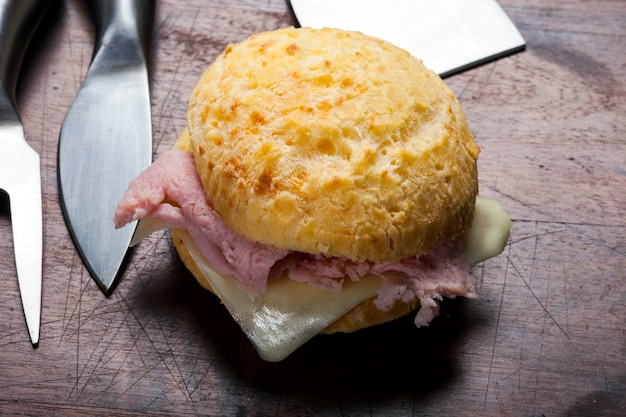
(448, 36)
(106, 137)
(20, 172)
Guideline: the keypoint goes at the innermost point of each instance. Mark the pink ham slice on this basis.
(170, 191)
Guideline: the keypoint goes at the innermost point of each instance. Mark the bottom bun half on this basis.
(363, 315)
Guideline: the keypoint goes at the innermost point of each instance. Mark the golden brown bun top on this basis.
(332, 142)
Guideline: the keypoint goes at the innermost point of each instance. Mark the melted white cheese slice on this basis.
(489, 233)
(290, 313)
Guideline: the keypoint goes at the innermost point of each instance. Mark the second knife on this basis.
(106, 137)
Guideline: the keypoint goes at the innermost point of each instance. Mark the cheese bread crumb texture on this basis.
(333, 142)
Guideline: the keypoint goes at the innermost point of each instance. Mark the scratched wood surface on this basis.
(546, 338)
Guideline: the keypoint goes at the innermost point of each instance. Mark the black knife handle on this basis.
(132, 18)
(18, 21)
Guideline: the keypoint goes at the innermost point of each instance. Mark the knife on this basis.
(20, 172)
(448, 36)
(106, 137)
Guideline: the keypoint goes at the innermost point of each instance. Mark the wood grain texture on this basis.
(546, 338)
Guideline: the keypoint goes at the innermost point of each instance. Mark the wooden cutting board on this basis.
(547, 336)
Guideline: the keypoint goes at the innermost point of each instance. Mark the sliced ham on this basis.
(170, 191)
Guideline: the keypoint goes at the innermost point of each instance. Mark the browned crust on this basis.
(334, 143)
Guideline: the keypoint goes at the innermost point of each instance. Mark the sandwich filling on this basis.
(170, 194)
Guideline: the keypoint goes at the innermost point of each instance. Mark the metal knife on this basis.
(106, 137)
(20, 172)
(449, 36)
